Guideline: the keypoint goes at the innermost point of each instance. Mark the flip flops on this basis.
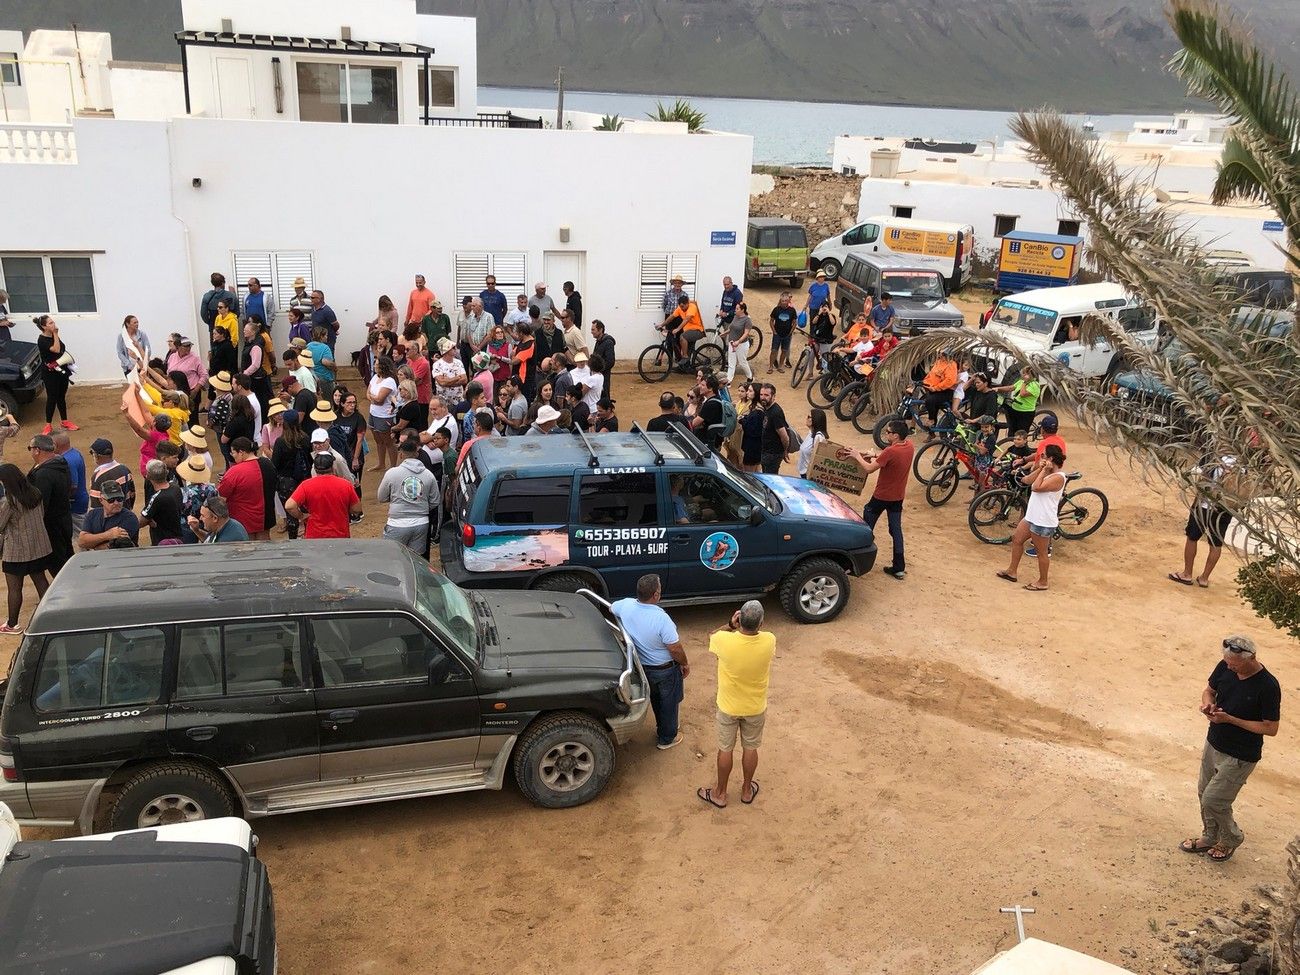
(1007, 576)
(752, 796)
(706, 795)
(1175, 577)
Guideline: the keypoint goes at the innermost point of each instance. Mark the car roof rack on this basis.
(592, 459)
(636, 428)
(689, 443)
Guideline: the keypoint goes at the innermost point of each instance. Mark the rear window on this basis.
(531, 501)
(791, 237)
(100, 669)
(767, 238)
(618, 499)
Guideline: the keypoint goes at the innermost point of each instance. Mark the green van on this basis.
(776, 248)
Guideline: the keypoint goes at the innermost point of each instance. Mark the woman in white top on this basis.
(382, 394)
(1046, 485)
(816, 434)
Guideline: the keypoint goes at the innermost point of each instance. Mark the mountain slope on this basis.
(1082, 55)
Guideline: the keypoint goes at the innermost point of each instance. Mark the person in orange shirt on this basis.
(421, 300)
(939, 383)
(687, 325)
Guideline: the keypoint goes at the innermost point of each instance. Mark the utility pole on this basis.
(559, 107)
(81, 68)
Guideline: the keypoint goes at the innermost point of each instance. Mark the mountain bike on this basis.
(910, 410)
(994, 515)
(933, 458)
(658, 360)
(838, 374)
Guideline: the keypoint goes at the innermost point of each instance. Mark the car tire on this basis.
(831, 267)
(566, 582)
(172, 792)
(564, 760)
(806, 591)
(9, 402)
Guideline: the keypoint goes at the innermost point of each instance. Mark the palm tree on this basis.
(1232, 375)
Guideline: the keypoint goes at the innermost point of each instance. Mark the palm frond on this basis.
(1240, 177)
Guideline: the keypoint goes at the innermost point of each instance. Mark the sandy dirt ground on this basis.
(950, 745)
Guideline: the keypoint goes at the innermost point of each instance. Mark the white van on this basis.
(946, 247)
(1039, 323)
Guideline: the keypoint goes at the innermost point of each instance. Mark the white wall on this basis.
(375, 20)
(144, 92)
(446, 189)
(455, 43)
(371, 227)
(114, 201)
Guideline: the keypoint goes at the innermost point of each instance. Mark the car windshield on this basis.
(1014, 314)
(913, 284)
(751, 486)
(447, 609)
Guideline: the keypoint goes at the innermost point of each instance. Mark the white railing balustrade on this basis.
(22, 142)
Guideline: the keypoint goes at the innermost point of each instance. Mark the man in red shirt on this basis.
(245, 490)
(1049, 426)
(894, 463)
(324, 501)
(415, 358)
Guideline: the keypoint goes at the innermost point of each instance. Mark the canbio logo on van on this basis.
(930, 243)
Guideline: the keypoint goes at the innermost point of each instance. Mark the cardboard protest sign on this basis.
(830, 472)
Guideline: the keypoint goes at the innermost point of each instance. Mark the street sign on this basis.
(1273, 226)
(722, 238)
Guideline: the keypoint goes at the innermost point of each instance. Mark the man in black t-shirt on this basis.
(708, 420)
(782, 320)
(1243, 703)
(775, 443)
(669, 413)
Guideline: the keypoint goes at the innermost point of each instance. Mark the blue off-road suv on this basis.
(567, 513)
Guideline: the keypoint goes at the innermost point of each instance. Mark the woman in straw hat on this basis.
(272, 428)
(194, 443)
(196, 487)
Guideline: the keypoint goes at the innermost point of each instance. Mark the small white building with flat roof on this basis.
(342, 143)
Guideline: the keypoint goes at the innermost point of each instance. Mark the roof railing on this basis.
(592, 459)
(636, 428)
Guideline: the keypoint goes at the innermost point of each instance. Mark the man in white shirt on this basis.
(593, 381)
(440, 418)
(448, 373)
(519, 314)
(544, 302)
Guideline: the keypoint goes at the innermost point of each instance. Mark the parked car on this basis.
(919, 293)
(566, 513)
(184, 899)
(1148, 401)
(21, 377)
(1258, 288)
(1040, 322)
(256, 679)
(776, 248)
(946, 247)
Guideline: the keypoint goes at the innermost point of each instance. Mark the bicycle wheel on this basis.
(862, 414)
(708, 356)
(755, 342)
(847, 401)
(801, 368)
(878, 431)
(1081, 513)
(932, 460)
(653, 364)
(822, 393)
(942, 486)
(1036, 427)
(994, 515)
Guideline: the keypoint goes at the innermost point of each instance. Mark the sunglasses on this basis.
(1237, 647)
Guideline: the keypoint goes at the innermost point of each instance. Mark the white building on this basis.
(342, 142)
(996, 187)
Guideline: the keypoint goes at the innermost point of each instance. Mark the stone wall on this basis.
(824, 202)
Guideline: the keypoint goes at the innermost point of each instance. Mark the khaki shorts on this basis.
(749, 726)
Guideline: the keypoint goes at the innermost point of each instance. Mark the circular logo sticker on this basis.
(411, 489)
(719, 551)
(1058, 253)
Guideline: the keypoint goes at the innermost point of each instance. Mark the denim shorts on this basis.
(1042, 531)
(781, 343)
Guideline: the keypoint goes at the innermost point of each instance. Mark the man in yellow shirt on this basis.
(744, 655)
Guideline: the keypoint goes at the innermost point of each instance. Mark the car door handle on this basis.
(681, 538)
(343, 716)
(203, 733)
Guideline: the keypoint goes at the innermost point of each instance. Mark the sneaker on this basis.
(69, 425)
(1030, 550)
(674, 742)
(889, 570)
(353, 519)
(6, 628)
(48, 430)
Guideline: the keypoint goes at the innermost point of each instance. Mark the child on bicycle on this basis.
(821, 335)
(1018, 451)
(986, 444)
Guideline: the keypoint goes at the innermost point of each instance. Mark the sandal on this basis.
(1219, 855)
(1203, 585)
(1008, 576)
(6, 628)
(1175, 577)
(752, 796)
(705, 793)
(1194, 845)
(1035, 587)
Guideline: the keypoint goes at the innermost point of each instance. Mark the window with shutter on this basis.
(471, 267)
(275, 270)
(657, 269)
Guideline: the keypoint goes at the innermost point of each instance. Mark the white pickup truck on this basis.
(1045, 322)
(188, 899)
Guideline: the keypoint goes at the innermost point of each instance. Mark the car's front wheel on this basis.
(169, 793)
(831, 267)
(564, 760)
(815, 591)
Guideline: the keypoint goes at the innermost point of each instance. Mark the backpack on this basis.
(729, 418)
(793, 440)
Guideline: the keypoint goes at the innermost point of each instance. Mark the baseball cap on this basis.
(102, 447)
(1049, 423)
(186, 341)
(319, 436)
(112, 491)
(323, 462)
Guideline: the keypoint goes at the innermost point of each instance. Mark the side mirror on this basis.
(755, 517)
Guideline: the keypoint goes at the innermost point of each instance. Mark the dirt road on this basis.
(950, 745)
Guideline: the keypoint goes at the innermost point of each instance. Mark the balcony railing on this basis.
(23, 142)
(486, 120)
